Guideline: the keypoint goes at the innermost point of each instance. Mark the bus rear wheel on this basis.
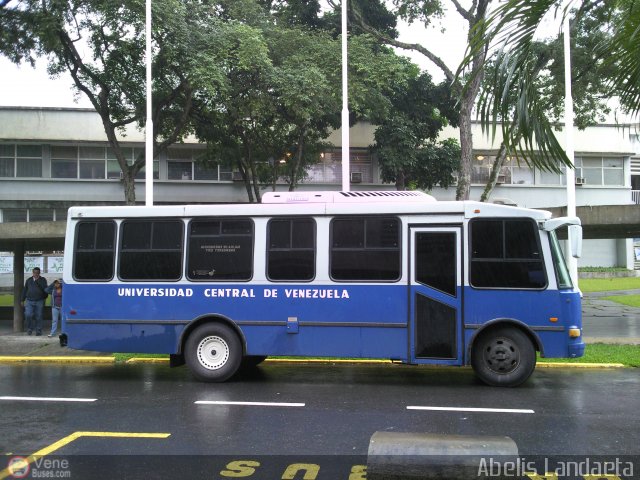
(504, 357)
(213, 352)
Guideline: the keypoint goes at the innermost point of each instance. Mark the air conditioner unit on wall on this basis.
(356, 177)
(501, 179)
(580, 181)
(236, 176)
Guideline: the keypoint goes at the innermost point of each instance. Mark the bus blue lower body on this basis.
(358, 321)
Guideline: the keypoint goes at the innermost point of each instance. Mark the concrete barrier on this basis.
(396, 456)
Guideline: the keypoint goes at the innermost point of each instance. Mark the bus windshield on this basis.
(559, 264)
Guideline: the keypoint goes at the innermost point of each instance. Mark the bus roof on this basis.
(319, 203)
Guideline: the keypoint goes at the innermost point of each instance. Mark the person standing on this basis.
(33, 297)
(55, 290)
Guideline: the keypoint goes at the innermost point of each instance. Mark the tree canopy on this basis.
(606, 64)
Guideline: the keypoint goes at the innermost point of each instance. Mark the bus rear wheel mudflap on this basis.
(250, 362)
(503, 357)
(213, 352)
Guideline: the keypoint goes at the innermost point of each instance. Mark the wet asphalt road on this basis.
(336, 409)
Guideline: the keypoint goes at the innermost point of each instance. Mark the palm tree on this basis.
(509, 98)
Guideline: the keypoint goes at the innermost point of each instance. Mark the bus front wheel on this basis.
(213, 352)
(504, 357)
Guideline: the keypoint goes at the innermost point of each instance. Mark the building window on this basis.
(291, 249)
(512, 172)
(600, 170)
(12, 215)
(365, 249)
(193, 164)
(506, 254)
(329, 167)
(94, 162)
(22, 161)
(41, 215)
(131, 154)
(220, 250)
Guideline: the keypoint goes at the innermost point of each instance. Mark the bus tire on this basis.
(504, 357)
(213, 352)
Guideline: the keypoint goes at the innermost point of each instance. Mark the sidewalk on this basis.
(603, 322)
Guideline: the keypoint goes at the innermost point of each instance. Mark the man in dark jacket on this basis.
(33, 297)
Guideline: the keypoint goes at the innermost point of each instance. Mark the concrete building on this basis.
(52, 158)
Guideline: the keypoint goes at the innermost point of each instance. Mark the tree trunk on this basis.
(495, 171)
(295, 170)
(129, 182)
(466, 154)
(467, 102)
(400, 181)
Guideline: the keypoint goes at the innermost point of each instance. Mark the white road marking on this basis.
(473, 409)
(251, 404)
(49, 399)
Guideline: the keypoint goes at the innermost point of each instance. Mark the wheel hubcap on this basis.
(501, 356)
(213, 352)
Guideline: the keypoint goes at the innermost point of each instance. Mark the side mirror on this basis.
(575, 240)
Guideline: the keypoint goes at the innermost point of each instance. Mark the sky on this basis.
(29, 87)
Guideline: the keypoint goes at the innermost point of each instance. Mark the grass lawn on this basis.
(628, 355)
(608, 284)
(628, 300)
(6, 300)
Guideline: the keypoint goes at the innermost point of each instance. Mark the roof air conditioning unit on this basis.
(356, 177)
(236, 176)
(580, 181)
(501, 179)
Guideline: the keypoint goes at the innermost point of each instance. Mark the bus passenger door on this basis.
(436, 295)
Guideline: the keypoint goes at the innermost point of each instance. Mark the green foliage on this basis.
(406, 136)
(525, 89)
(100, 43)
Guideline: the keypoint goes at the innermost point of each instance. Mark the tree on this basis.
(100, 43)
(425, 11)
(408, 153)
(512, 91)
(281, 104)
(589, 88)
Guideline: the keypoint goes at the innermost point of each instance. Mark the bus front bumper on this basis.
(576, 350)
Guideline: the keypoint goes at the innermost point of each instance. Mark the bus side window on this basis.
(220, 249)
(505, 253)
(94, 251)
(291, 251)
(151, 250)
(365, 249)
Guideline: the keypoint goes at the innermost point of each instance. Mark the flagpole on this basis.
(148, 133)
(572, 262)
(345, 104)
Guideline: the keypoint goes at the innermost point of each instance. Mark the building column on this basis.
(18, 284)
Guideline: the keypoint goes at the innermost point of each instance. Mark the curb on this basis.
(578, 365)
(69, 359)
(151, 360)
(147, 360)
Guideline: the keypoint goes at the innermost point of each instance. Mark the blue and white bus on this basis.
(393, 275)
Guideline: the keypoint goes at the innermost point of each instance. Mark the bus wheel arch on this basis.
(213, 349)
(503, 353)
